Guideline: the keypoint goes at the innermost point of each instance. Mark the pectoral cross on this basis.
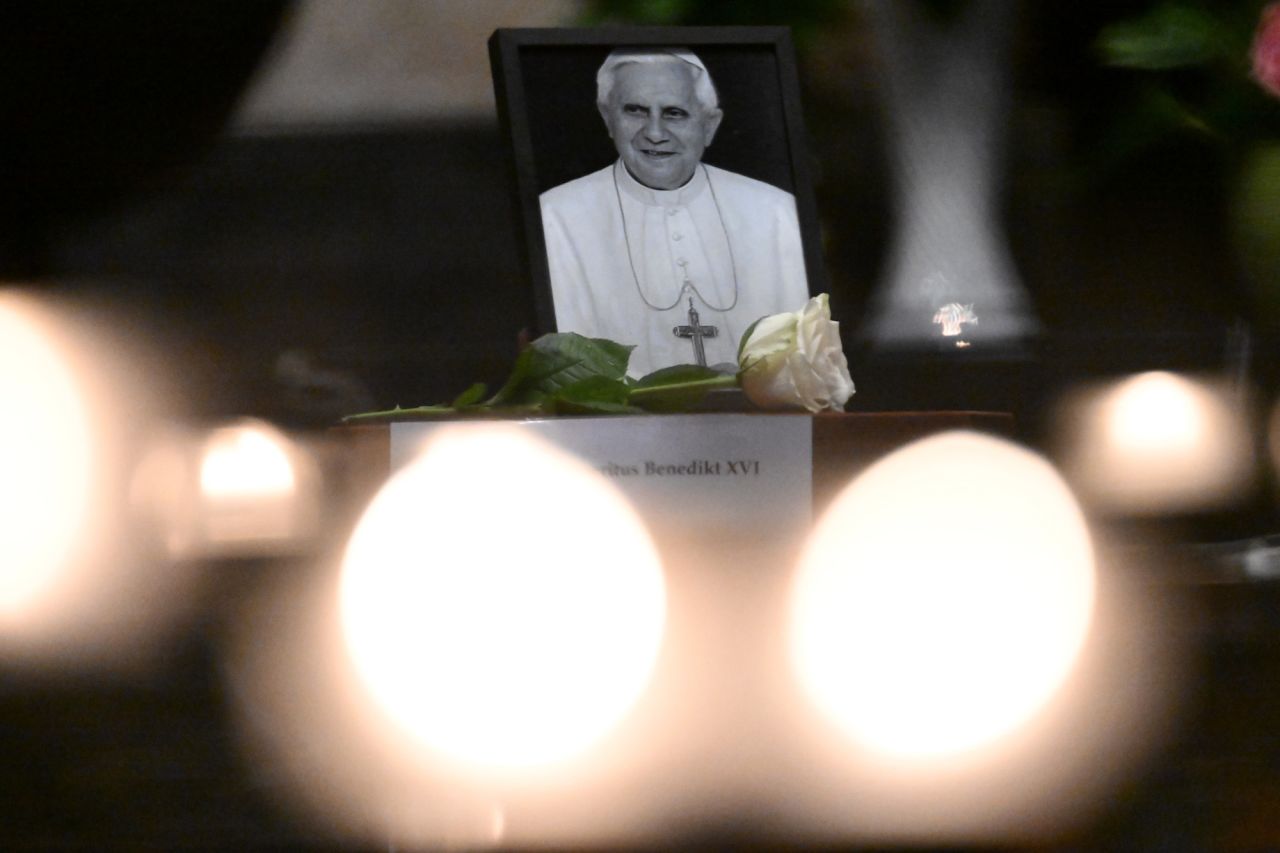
(697, 332)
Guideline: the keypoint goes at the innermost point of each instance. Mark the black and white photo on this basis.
(660, 185)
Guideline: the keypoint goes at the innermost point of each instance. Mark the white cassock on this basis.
(720, 237)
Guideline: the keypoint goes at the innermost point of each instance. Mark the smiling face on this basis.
(657, 123)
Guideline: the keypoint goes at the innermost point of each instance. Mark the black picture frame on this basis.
(544, 84)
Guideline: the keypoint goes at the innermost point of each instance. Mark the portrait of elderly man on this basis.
(640, 249)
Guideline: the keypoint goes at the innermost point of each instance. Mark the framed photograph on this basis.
(663, 181)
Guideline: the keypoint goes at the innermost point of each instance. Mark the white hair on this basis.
(703, 89)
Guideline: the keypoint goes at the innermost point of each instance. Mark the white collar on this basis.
(679, 197)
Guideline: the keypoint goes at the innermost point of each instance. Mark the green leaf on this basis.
(678, 388)
(600, 389)
(471, 396)
(556, 361)
(1172, 35)
(676, 374)
(593, 395)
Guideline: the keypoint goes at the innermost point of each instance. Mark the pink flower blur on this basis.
(1266, 50)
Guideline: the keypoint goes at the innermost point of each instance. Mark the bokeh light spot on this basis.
(46, 459)
(501, 600)
(1156, 413)
(943, 597)
(1156, 442)
(246, 461)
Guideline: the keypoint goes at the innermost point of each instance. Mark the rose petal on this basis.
(771, 334)
(1266, 49)
(796, 360)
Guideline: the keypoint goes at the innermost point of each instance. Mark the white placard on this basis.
(713, 469)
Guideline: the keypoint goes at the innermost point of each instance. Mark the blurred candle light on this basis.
(472, 630)
(252, 494)
(1156, 442)
(476, 667)
(246, 463)
(943, 598)
(244, 489)
(77, 585)
(46, 461)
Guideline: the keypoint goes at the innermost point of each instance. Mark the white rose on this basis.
(795, 359)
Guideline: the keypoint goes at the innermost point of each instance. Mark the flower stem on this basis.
(723, 381)
(396, 414)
